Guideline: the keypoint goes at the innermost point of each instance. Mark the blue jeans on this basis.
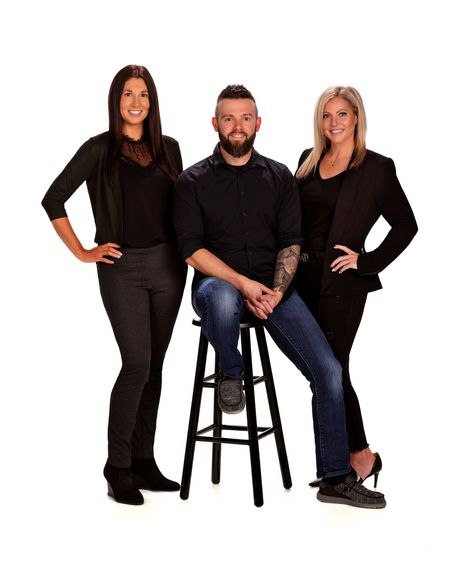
(294, 330)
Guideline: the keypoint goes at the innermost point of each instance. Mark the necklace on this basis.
(332, 162)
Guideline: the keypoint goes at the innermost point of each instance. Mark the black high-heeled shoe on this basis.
(376, 468)
(148, 476)
(121, 485)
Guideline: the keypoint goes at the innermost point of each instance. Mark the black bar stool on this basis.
(255, 433)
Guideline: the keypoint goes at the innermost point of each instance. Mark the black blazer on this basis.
(89, 165)
(367, 192)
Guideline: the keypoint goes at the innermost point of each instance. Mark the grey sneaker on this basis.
(350, 492)
(230, 395)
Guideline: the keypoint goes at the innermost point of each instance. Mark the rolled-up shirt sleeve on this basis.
(188, 219)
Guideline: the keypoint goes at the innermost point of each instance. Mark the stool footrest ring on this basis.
(209, 381)
(262, 432)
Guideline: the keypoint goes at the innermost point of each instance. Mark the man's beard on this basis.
(237, 149)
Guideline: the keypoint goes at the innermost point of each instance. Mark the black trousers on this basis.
(339, 318)
(141, 293)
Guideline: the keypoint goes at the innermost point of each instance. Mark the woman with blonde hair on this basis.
(344, 189)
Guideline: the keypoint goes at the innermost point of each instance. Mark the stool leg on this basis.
(273, 407)
(217, 432)
(251, 419)
(194, 417)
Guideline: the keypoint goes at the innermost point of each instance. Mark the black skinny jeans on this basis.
(339, 319)
(141, 293)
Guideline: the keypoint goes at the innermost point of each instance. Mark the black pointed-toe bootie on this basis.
(149, 476)
(122, 486)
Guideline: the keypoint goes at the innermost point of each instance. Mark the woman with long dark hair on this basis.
(344, 189)
(130, 173)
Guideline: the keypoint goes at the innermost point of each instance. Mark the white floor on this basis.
(81, 528)
(60, 519)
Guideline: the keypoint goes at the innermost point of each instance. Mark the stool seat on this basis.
(255, 432)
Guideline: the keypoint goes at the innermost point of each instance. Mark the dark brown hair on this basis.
(152, 123)
(235, 91)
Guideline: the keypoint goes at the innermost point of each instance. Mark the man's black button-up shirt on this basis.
(242, 214)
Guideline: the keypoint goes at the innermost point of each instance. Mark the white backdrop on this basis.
(59, 357)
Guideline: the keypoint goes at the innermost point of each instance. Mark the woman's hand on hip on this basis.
(66, 233)
(344, 262)
(98, 253)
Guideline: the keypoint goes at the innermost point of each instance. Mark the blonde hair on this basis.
(322, 143)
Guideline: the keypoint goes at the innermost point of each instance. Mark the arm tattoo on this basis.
(286, 264)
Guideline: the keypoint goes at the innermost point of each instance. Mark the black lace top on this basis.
(147, 197)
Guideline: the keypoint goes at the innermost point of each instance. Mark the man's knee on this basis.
(218, 296)
(332, 373)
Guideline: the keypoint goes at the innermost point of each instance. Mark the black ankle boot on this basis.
(121, 485)
(150, 477)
